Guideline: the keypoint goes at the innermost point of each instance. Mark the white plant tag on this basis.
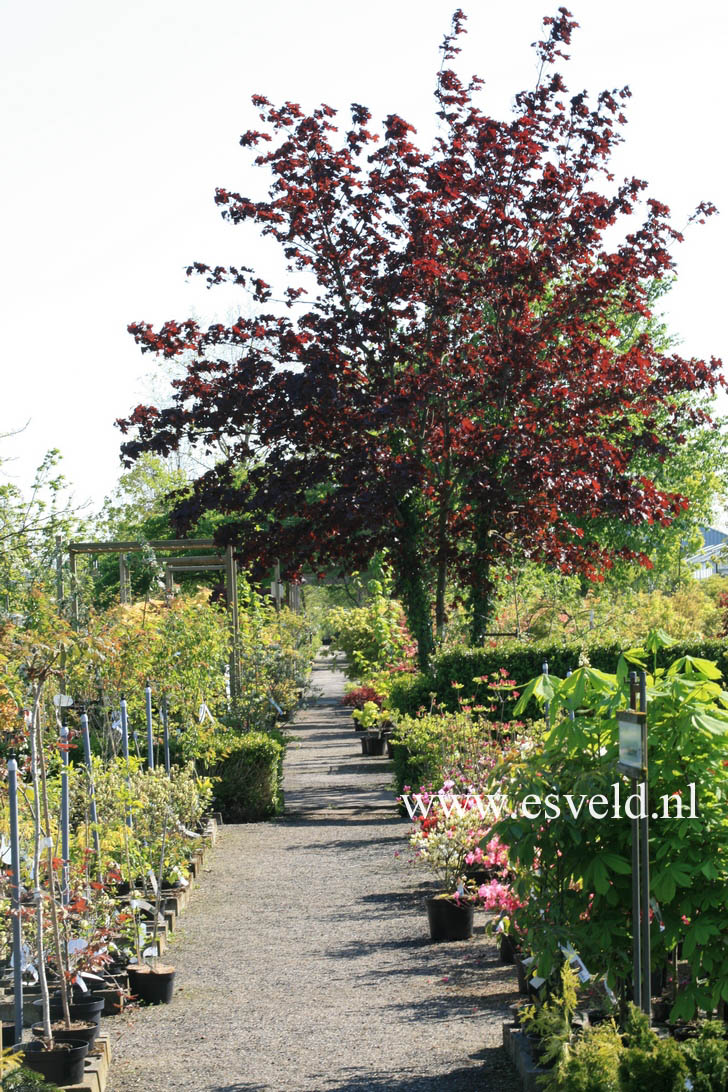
(276, 706)
(62, 701)
(46, 843)
(152, 880)
(190, 833)
(76, 944)
(6, 855)
(80, 982)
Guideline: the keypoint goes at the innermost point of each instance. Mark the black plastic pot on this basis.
(8, 1035)
(522, 977)
(62, 1065)
(79, 1010)
(84, 1035)
(507, 949)
(372, 744)
(449, 920)
(155, 987)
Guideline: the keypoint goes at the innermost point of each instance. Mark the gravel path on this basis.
(304, 962)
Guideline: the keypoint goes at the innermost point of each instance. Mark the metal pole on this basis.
(65, 820)
(124, 596)
(92, 790)
(547, 705)
(15, 899)
(59, 572)
(231, 580)
(645, 871)
(277, 578)
(636, 917)
(125, 751)
(150, 735)
(74, 588)
(165, 731)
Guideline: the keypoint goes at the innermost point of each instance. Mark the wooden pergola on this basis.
(191, 563)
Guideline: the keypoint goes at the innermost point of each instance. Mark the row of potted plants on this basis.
(559, 889)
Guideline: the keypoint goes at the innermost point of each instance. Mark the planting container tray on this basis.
(519, 1051)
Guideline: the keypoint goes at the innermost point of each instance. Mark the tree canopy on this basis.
(449, 378)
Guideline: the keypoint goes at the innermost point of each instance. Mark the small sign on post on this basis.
(633, 764)
(632, 743)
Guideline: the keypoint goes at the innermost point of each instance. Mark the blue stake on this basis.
(165, 728)
(92, 791)
(150, 737)
(15, 899)
(125, 751)
(65, 820)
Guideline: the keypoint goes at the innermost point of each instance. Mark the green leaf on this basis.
(657, 639)
(695, 665)
(706, 723)
(616, 863)
(601, 878)
(541, 688)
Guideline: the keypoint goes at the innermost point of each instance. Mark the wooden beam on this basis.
(136, 547)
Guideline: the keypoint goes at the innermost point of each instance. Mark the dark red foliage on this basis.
(357, 698)
(454, 385)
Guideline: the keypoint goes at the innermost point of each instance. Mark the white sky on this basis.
(117, 122)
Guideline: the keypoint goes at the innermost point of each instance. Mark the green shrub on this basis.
(707, 1059)
(424, 747)
(250, 776)
(27, 1080)
(522, 662)
(592, 1064)
(662, 1069)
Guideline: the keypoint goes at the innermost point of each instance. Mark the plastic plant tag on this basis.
(76, 944)
(204, 713)
(190, 833)
(140, 904)
(536, 982)
(152, 880)
(62, 701)
(80, 982)
(6, 854)
(276, 706)
(46, 843)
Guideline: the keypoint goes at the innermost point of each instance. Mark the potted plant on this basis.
(150, 980)
(56, 1060)
(442, 842)
(368, 721)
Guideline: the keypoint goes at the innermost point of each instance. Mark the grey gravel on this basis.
(303, 960)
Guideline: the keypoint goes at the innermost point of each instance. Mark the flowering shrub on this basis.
(446, 838)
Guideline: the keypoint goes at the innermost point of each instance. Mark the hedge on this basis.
(411, 692)
(250, 777)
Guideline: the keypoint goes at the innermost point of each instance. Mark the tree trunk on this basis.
(440, 597)
(482, 605)
(412, 582)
